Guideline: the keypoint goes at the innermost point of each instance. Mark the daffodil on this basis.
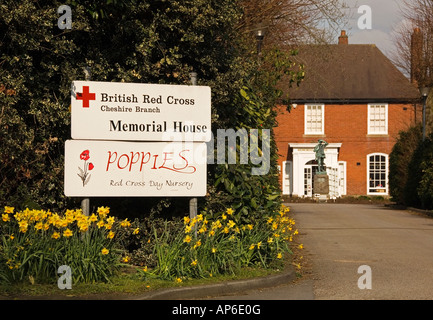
(229, 211)
(5, 217)
(105, 251)
(194, 263)
(110, 220)
(69, 219)
(279, 255)
(197, 244)
(103, 211)
(55, 235)
(23, 226)
(136, 231)
(83, 227)
(125, 223)
(100, 223)
(231, 224)
(187, 239)
(110, 235)
(9, 209)
(67, 233)
(202, 229)
(63, 223)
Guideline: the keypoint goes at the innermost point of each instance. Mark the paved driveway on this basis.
(397, 246)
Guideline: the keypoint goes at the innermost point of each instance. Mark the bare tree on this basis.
(288, 22)
(414, 42)
(414, 48)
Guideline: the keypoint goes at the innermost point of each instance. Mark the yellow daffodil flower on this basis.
(67, 233)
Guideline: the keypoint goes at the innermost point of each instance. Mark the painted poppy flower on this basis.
(91, 166)
(85, 155)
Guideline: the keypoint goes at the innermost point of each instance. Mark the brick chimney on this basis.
(416, 51)
(343, 39)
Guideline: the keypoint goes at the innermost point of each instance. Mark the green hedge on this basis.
(144, 42)
(411, 169)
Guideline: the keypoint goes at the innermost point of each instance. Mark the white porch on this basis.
(297, 174)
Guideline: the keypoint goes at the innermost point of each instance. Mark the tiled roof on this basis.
(349, 73)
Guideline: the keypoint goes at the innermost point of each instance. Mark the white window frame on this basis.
(342, 179)
(370, 118)
(287, 178)
(306, 106)
(384, 188)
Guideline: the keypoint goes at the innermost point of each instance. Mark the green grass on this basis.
(126, 283)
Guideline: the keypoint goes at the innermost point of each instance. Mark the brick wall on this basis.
(346, 124)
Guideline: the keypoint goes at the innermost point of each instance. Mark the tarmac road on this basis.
(395, 247)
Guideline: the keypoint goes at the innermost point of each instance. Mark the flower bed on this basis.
(35, 243)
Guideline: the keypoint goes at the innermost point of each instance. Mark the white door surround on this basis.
(303, 155)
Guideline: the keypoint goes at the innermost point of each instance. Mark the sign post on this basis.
(193, 202)
(85, 203)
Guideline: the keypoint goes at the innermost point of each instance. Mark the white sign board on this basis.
(140, 112)
(114, 168)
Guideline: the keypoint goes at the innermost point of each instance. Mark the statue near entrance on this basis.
(319, 149)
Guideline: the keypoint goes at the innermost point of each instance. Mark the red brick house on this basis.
(355, 99)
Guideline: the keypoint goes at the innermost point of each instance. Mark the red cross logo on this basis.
(86, 96)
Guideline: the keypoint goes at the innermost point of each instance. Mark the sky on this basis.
(385, 17)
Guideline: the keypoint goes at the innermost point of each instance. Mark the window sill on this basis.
(377, 194)
(377, 135)
(309, 135)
